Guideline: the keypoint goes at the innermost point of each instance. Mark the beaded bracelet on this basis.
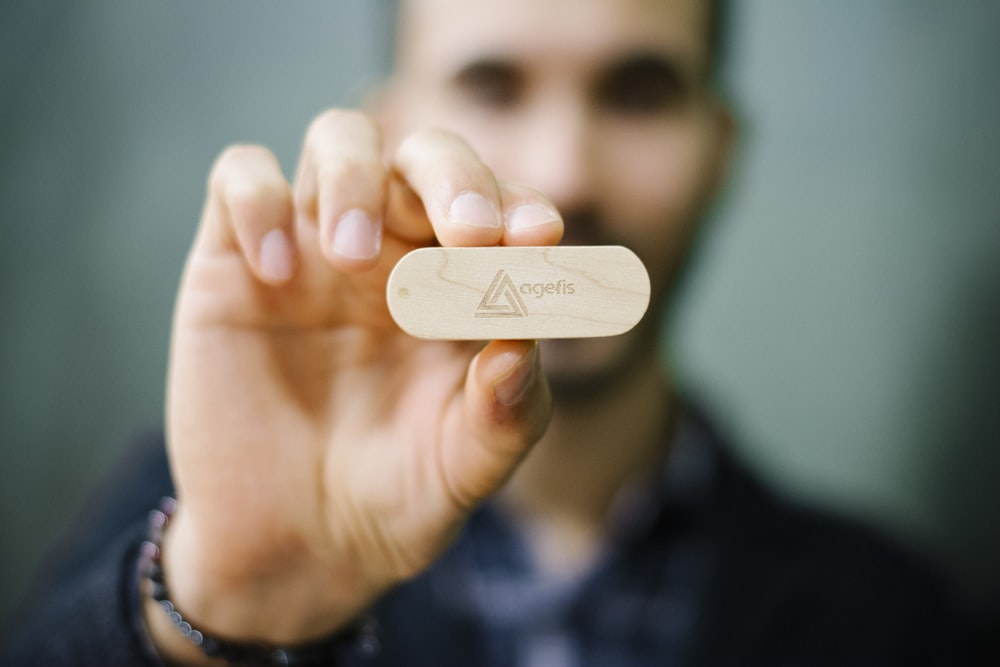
(363, 636)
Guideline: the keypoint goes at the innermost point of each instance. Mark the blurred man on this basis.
(329, 468)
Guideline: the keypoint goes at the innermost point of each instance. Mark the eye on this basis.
(492, 85)
(642, 86)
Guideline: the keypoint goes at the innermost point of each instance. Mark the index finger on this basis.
(460, 196)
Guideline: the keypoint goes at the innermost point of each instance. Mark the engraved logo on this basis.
(501, 299)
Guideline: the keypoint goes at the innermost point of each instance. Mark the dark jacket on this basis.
(790, 586)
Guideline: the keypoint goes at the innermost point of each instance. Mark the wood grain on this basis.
(518, 293)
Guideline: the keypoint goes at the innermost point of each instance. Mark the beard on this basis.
(584, 371)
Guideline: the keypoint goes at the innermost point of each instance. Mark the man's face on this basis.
(603, 105)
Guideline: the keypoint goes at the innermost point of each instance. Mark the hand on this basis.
(320, 454)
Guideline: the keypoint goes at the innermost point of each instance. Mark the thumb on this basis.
(503, 411)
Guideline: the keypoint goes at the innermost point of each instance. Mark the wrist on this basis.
(172, 646)
(193, 611)
(281, 595)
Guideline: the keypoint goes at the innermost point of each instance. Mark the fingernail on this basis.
(512, 387)
(526, 216)
(276, 255)
(471, 208)
(357, 236)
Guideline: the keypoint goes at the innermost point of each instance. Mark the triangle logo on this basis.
(501, 299)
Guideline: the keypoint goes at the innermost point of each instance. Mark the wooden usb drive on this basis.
(518, 293)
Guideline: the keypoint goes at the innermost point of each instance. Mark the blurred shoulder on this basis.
(795, 583)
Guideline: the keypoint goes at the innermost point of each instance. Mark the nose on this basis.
(561, 156)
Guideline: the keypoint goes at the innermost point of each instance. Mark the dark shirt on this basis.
(637, 605)
(705, 567)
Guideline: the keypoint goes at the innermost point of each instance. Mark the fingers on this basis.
(436, 188)
(460, 196)
(529, 218)
(437, 174)
(505, 409)
(341, 186)
(250, 207)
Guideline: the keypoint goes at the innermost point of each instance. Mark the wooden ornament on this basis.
(518, 292)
